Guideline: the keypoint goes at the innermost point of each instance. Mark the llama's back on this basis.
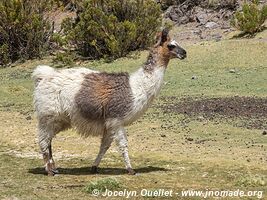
(45, 72)
(55, 89)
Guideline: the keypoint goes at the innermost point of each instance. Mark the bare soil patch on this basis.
(251, 110)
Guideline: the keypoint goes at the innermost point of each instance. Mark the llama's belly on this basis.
(87, 127)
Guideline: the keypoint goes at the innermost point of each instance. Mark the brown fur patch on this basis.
(104, 95)
(164, 54)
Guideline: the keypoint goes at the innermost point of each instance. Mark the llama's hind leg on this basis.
(45, 139)
(122, 142)
(105, 144)
(50, 165)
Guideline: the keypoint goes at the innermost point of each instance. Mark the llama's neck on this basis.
(145, 84)
(149, 78)
(156, 59)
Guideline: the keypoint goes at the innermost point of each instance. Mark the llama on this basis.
(98, 103)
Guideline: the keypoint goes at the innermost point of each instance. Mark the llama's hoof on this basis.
(94, 170)
(131, 171)
(52, 172)
(55, 171)
(51, 169)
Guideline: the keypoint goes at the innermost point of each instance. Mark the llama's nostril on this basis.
(184, 55)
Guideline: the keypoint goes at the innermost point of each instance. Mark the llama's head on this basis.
(169, 48)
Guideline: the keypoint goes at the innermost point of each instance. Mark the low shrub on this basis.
(251, 18)
(112, 28)
(24, 32)
(63, 59)
(219, 4)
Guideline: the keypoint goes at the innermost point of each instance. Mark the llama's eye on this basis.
(171, 46)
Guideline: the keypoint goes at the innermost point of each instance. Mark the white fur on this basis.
(55, 90)
(173, 42)
(54, 100)
(145, 87)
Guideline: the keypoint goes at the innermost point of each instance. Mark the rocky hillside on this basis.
(196, 19)
(201, 20)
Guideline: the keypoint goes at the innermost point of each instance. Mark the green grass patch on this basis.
(102, 185)
(252, 181)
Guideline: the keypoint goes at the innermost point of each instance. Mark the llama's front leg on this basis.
(122, 142)
(105, 144)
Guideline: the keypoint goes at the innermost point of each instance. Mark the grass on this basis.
(103, 185)
(229, 157)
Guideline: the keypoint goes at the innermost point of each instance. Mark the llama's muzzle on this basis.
(181, 53)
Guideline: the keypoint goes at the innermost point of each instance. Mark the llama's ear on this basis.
(164, 35)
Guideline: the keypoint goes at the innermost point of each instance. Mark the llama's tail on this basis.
(42, 71)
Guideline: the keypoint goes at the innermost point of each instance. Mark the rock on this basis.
(205, 174)
(189, 139)
(176, 14)
(215, 19)
(171, 14)
(162, 135)
(232, 71)
(264, 133)
(184, 20)
(194, 77)
(202, 15)
(197, 31)
(217, 37)
(202, 18)
(28, 117)
(211, 25)
(225, 26)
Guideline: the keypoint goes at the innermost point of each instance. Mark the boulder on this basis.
(211, 25)
(201, 15)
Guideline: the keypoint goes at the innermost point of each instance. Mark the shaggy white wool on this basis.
(145, 87)
(54, 96)
(54, 100)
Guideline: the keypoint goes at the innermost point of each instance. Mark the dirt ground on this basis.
(252, 110)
